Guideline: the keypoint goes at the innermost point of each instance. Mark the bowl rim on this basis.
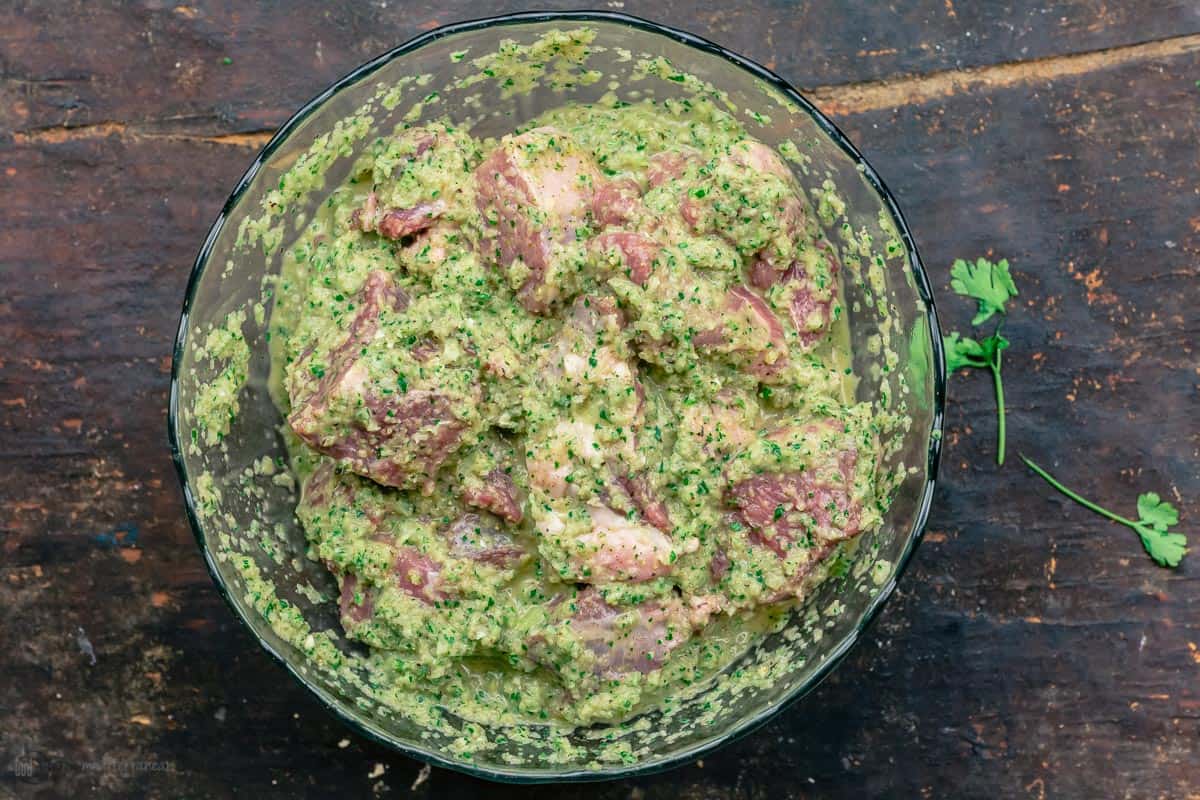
(924, 291)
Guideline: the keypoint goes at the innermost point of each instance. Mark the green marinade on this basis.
(636, 400)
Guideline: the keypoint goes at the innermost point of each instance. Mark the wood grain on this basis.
(159, 67)
(1033, 650)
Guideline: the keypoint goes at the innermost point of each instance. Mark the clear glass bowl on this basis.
(241, 515)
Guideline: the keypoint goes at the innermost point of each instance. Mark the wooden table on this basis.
(1033, 651)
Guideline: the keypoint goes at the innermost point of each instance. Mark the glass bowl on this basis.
(241, 506)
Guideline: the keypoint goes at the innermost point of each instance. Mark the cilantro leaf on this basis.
(1155, 516)
(993, 346)
(962, 352)
(1155, 512)
(985, 354)
(991, 284)
(1167, 549)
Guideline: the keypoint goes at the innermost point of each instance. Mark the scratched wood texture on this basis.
(1032, 650)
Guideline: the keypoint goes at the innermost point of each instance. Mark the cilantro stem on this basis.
(1000, 429)
(1088, 504)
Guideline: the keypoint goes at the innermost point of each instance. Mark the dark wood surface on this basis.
(1032, 651)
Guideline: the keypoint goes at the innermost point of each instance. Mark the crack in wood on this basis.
(842, 100)
(58, 134)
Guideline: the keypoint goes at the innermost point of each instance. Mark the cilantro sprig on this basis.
(992, 286)
(1155, 519)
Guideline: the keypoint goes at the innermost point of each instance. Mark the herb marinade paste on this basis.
(572, 410)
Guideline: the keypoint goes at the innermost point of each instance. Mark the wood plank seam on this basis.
(58, 134)
(857, 98)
